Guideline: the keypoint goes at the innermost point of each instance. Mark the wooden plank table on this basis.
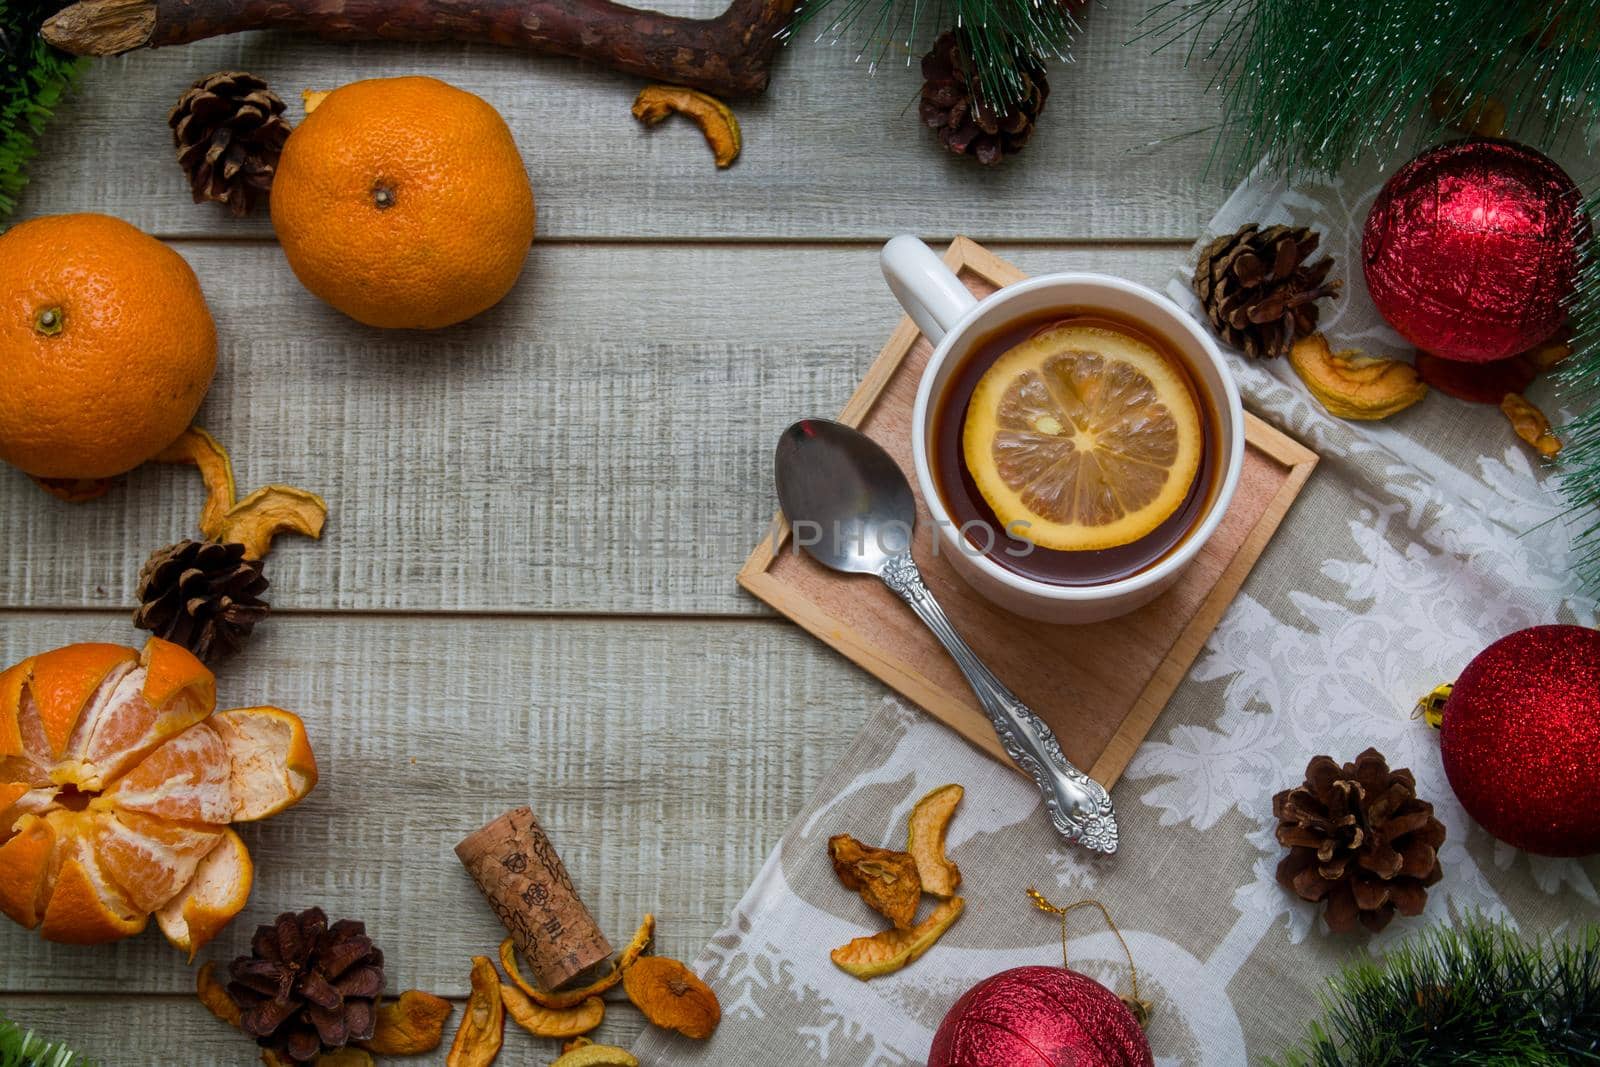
(526, 592)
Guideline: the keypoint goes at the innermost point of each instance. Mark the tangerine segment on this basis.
(188, 778)
(884, 953)
(124, 726)
(149, 858)
(1082, 438)
(272, 766)
(217, 892)
(86, 907)
(926, 828)
(24, 868)
(62, 682)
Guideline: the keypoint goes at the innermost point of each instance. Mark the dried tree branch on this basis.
(729, 55)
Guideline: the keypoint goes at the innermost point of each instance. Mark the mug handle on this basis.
(931, 294)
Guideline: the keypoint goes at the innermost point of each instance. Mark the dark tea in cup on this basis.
(1091, 430)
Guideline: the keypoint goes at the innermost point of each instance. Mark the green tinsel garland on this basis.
(1473, 996)
(33, 79)
(20, 1048)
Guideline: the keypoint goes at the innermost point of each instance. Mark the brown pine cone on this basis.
(1360, 840)
(1258, 290)
(202, 595)
(229, 131)
(966, 125)
(308, 988)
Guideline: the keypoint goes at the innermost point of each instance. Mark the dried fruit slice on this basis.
(349, 1056)
(86, 907)
(217, 892)
(887, 880)
(573, 997)
(672, 996)
(410, 1025)
(186, 779)
(273, 766)
(925, 837)
(199, 448)
(1477, 383)
(24, 865)
(61, 684)
(1083, 438)
(884, 953)
(150, 859)
(1531, 425)
(214, 995)
(272, 510)
(1353, 385)
(597, 1056)
(551, 1022)
(483, 1025)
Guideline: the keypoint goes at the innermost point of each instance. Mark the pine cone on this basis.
(229, 131)
(1258, 289)
(1360, 840)
(966, 125)
(202, 595)
(307, 987)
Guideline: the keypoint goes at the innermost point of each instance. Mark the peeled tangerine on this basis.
(117, 787)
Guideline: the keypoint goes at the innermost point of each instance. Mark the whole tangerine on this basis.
(404, 203)
(107, 347)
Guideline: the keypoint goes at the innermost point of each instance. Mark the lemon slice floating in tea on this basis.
(1088, 435)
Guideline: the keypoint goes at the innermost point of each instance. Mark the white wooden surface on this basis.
(526, 591)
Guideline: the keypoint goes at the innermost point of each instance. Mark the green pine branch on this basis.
(1472, 996)
(1004, 39)
(1579, 383)
(19, 1048)
(33, 79)
(1314, 85)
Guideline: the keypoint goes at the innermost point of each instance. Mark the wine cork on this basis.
(524, 880)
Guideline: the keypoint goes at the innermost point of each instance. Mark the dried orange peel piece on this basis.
(483, 1025)
(597, 1056)
(214, 995)
(551, 1022)
(259, 517)
(1352, 385)
(349, 1056)
(887, 880)
(573, 997)
(715, 119)
(672, 997)
(884, 953)
(925, 840)
(409, 1025)
(1531, 425)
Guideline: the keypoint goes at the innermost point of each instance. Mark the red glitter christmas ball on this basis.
(1471, 249)
(1521, 740)
(1039, 1017)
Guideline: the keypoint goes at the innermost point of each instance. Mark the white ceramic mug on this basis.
(953, 319)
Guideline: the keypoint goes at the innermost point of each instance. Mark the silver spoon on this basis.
(851, 509)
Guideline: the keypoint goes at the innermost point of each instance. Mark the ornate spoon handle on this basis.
(1079, 806)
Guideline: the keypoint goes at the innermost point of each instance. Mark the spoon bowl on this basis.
(851, 506)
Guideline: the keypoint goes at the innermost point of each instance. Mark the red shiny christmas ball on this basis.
(1039, 1017)
(1521, 740)
(1471, 249)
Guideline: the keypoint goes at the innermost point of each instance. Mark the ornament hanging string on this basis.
(1139, 1007)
